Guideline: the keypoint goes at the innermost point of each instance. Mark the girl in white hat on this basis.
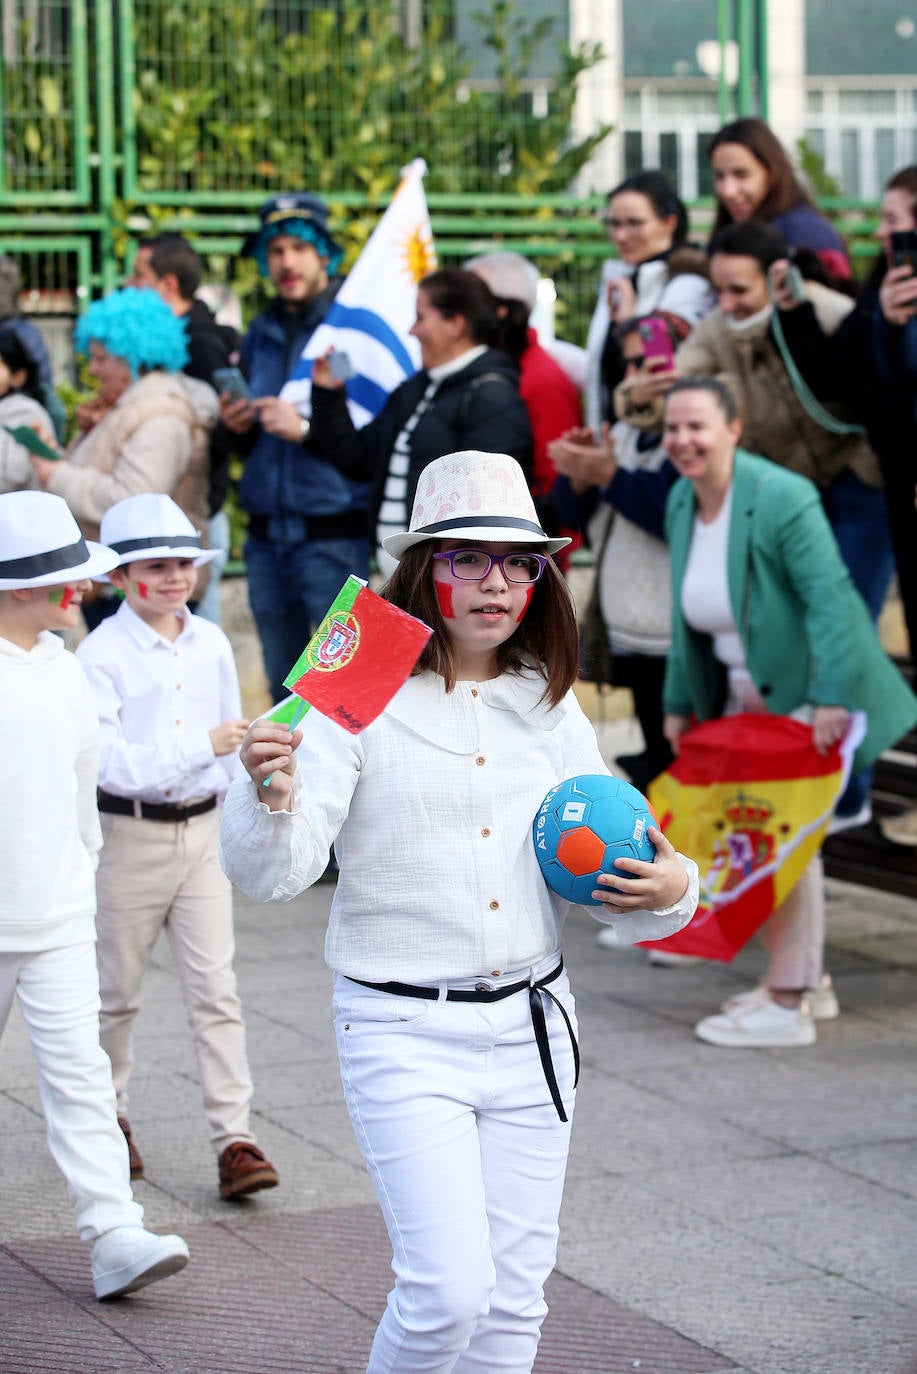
(454, 1018)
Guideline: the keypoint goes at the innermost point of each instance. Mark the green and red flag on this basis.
(363, 651)
(749, 799)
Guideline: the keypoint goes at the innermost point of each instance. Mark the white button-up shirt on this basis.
(431, 811)
(157, 701)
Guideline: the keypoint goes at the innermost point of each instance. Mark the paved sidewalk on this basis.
(750, 1212)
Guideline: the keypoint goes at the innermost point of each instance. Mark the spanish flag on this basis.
(749, 798)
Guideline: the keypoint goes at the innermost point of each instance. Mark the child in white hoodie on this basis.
(51, 842)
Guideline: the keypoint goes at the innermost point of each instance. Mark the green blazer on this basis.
(805, 629)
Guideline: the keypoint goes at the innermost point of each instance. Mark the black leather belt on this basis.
(484, 994)
(153, 811)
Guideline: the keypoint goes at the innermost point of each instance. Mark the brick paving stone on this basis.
(294, 1294)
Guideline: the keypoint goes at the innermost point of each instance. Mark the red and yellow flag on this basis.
(749, 799)
(363, 651)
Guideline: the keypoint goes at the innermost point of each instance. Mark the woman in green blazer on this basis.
(766, 618)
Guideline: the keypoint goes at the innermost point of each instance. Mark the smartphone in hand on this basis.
(902, 245)
(658, 353)
(340, 366)
(231, 380)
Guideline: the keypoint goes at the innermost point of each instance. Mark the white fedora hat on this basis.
(473, 495)
(41, 544)
(152, 526)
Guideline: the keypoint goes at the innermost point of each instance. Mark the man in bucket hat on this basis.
(307, 523)
(51, 843)
(165, 687)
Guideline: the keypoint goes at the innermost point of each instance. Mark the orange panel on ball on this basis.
(580, 851)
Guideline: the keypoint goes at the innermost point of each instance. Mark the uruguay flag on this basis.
(375, 308)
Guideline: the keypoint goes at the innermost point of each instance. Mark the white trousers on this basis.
(467, 1155)
(794, 933)
(58, 991)
(154, 875)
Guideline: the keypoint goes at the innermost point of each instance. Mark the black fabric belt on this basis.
(153, 811)
(350, 524)
(483, 994)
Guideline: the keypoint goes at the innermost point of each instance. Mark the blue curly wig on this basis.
(298, 229)
(138, 327)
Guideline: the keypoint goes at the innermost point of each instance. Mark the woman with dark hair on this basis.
(656, 272)
(466, 396)
(753, 178)
(20, 404)
(870, 362)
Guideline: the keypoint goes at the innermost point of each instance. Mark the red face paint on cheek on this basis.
(143, 590)
(61, 596)
(529, 593)
(444, 597)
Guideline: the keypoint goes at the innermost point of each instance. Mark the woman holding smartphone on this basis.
(871, 363)
(656, 271)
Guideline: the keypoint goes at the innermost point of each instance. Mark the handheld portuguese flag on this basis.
(363, 651)
(749, 798)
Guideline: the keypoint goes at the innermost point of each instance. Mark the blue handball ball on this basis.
(582, 826)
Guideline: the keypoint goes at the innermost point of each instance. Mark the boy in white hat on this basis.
(51, 841)
(167, 695)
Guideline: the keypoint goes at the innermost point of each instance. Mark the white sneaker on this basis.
(130, 1257)
(823, 1003)
(758, 1024)
(664, 958)
(822, 1000)
(837, 824)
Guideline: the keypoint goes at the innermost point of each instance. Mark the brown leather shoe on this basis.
(244, 1169)
(132, 1151)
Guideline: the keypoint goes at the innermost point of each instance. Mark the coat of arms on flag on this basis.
(371, 316)
(749, 798)
(361, 653)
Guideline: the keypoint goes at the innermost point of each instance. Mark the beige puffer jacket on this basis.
(155, 438)
(776, 424)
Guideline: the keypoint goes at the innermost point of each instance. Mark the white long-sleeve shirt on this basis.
(431, 812)
(157, 701)
(49, 826)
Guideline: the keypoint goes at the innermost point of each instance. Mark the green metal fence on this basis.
(120, 116)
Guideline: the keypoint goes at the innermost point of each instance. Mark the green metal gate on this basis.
(118, 116)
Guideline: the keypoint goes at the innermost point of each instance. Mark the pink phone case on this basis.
(657, 343)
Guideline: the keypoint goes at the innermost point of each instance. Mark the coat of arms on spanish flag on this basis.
(749, 798)
(363, 651)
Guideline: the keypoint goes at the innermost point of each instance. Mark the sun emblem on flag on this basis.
(335, 643)
(417, 252)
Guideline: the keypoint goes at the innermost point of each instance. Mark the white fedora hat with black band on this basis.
(152, 526)
(41, 544)
(474, 496)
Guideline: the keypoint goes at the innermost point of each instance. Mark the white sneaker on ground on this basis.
(822, 1000)
(130, 1257)
(837, 824)
(664, 958)
(761, 1024)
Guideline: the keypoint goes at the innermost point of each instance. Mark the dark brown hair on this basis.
(784, 190)
(547, 634)
(904, 180)
(453, 291)
(722, 394)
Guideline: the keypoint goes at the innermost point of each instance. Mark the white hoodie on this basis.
(51, 835)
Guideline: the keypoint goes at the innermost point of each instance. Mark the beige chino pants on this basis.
(157, 875)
